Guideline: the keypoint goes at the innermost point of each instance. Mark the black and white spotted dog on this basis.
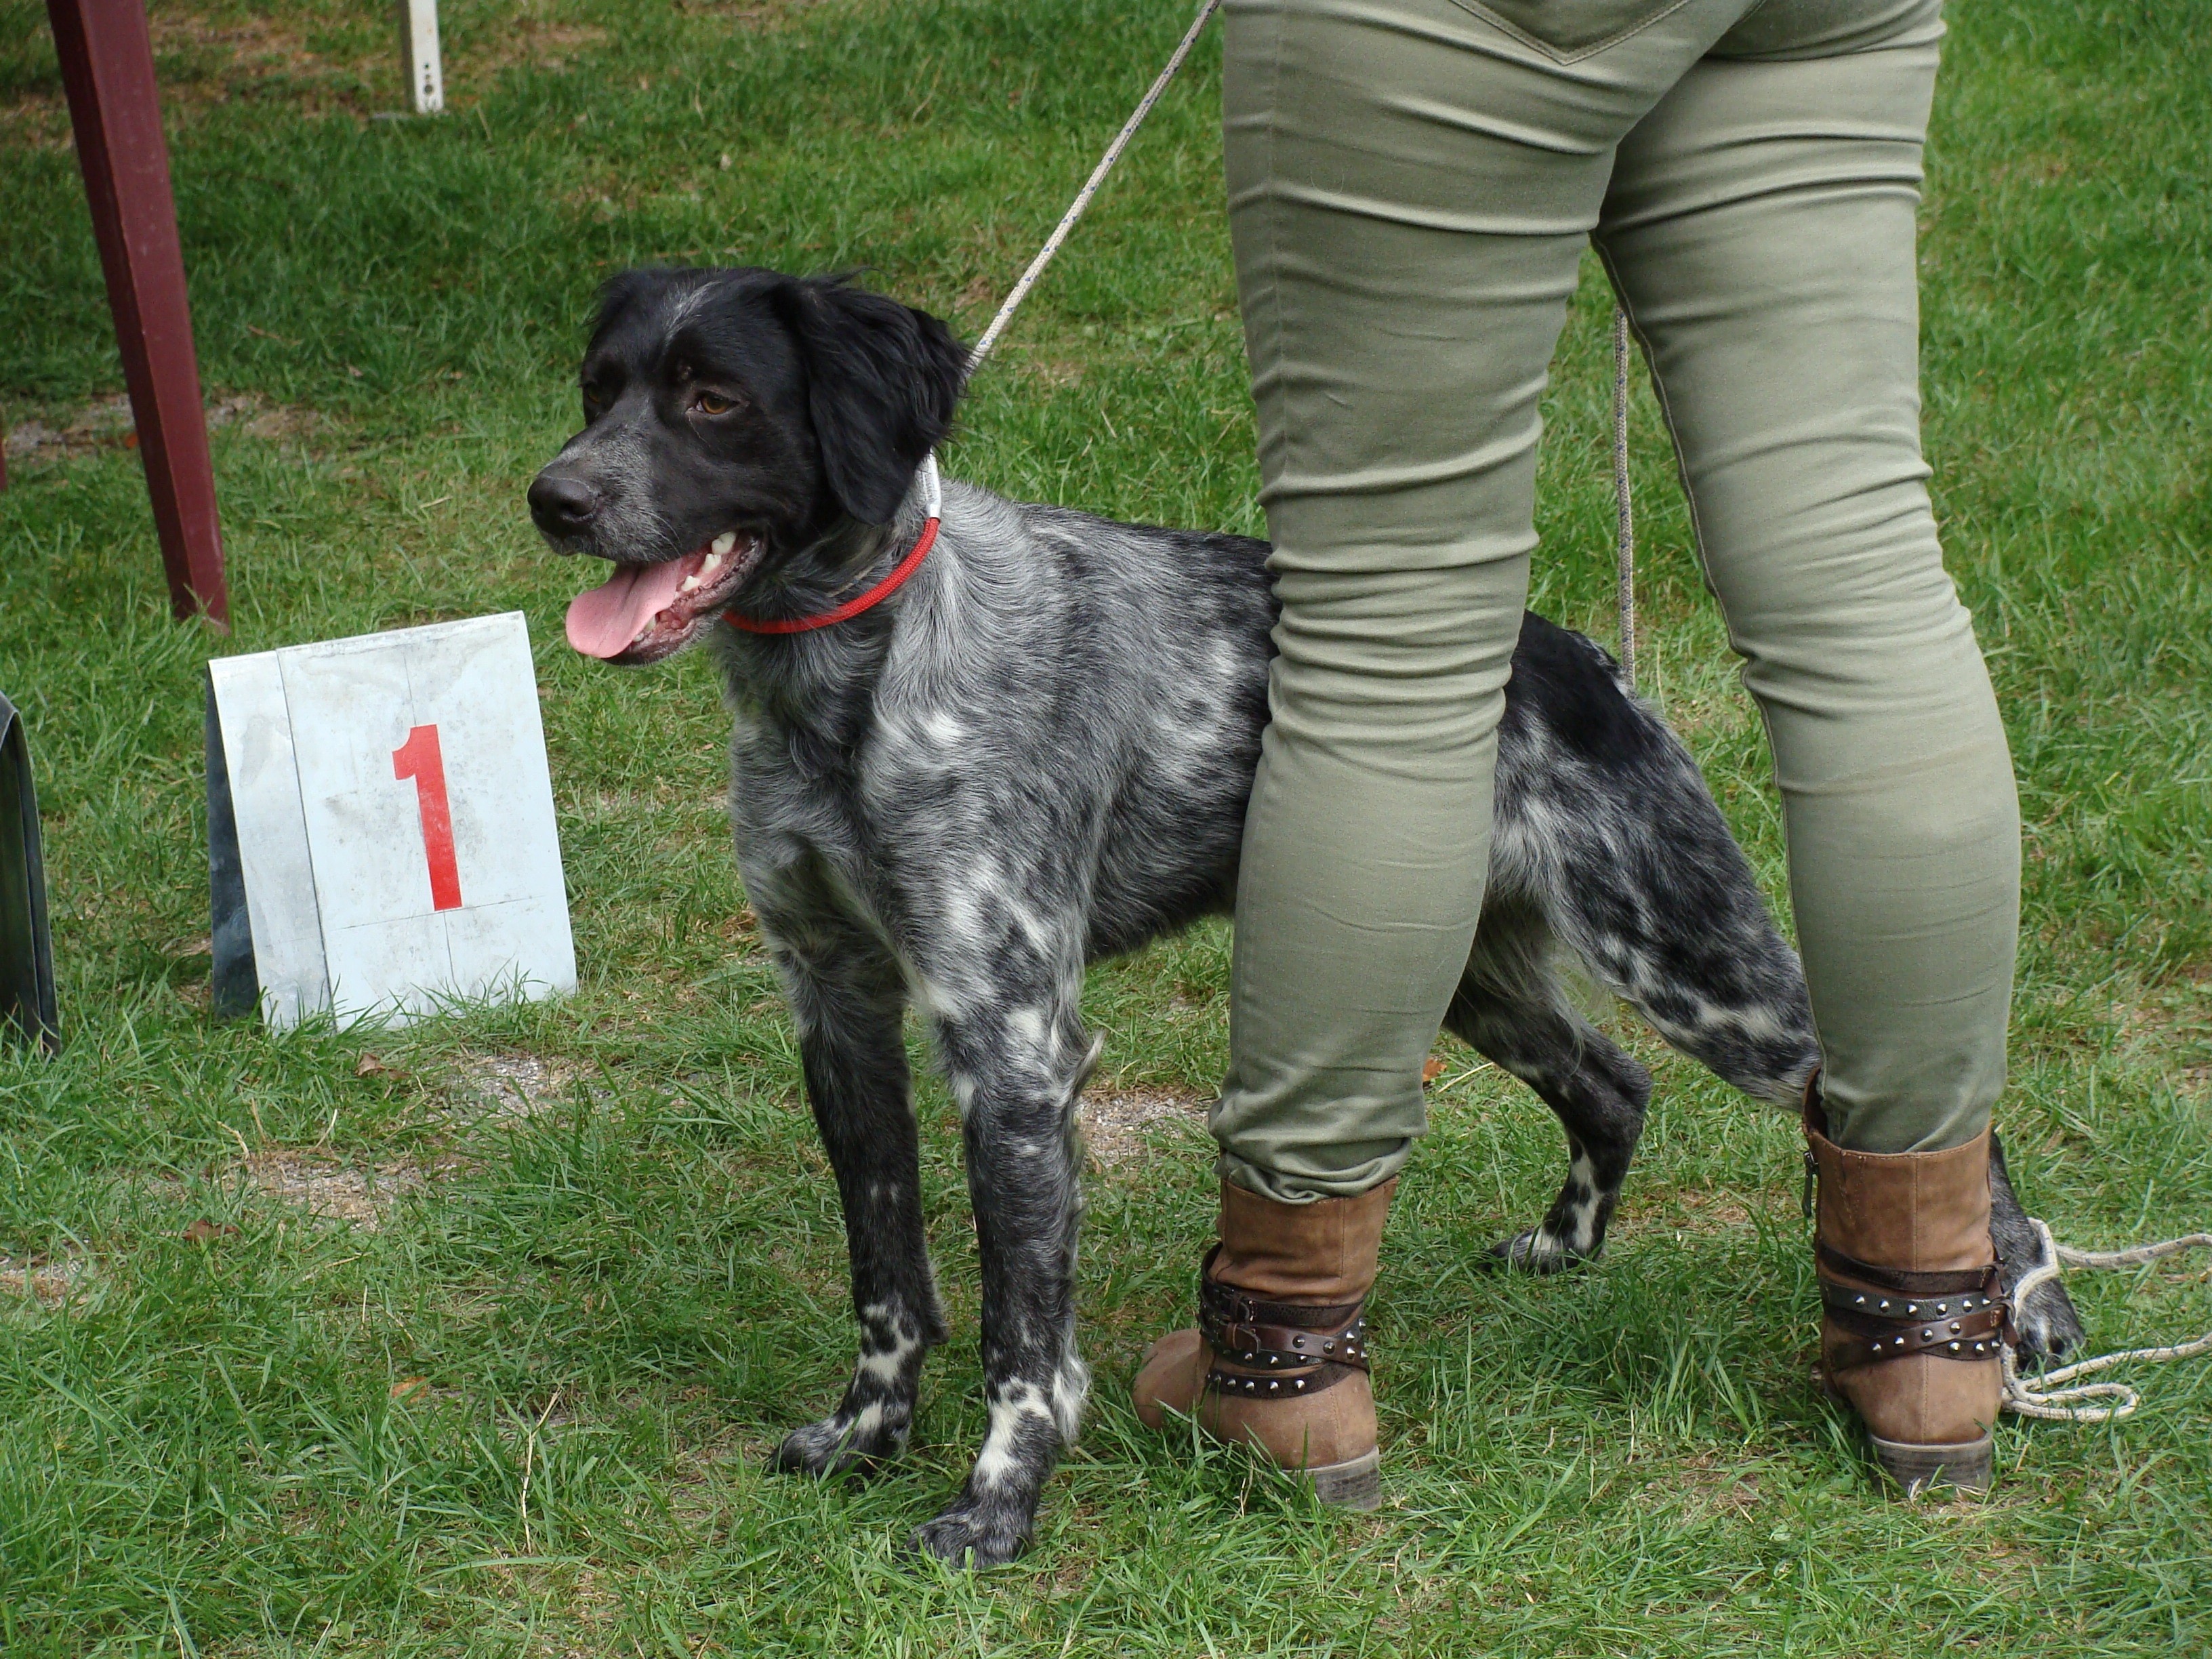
(1037, 753)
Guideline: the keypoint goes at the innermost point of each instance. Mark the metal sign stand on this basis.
(418, 45)
(237, 978)
(26, 950)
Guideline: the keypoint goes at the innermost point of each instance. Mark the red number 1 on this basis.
(420, 759)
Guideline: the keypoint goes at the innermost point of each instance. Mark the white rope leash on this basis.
(2045, 1396)
(1021, 289)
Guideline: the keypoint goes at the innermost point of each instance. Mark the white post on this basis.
(418, 40)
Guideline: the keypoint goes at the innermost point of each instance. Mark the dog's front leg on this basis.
(1015, 1068)
(849, 1000)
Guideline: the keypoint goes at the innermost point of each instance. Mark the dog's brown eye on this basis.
(709, 403)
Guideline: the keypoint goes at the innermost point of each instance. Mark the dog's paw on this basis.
(1534, 1251)
(2048, 1327)
(977, 1532)
(843, 1442)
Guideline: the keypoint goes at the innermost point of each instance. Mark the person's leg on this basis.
(1410, 187)
(1760, 229)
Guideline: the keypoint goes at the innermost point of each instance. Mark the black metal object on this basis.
(237, 987)
(27, 949)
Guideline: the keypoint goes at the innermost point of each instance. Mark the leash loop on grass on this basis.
(2045, 1396)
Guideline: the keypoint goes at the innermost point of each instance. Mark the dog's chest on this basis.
(864, 817)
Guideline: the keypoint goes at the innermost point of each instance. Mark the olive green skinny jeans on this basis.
(1410, 185)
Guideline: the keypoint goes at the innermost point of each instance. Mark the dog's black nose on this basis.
(560, 504)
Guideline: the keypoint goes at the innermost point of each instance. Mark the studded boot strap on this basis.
(1953, 1316)
(1281, 1350)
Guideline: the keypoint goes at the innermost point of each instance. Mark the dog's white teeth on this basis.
(713, 562)
(722, 544)
(690, 582)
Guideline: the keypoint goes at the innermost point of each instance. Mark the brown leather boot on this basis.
(1279, 1358)
(1912, 1309)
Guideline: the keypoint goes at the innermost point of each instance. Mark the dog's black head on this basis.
(734, 418)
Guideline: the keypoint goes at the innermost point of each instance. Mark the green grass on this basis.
(617, 1302)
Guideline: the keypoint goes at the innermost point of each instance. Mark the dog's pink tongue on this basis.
(604, 620)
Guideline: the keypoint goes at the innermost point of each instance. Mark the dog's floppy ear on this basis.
(882, 379)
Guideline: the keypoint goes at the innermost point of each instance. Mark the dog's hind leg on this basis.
(1017, 1057)
(1509, 1009)
(849, 999)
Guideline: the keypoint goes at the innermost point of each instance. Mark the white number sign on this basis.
(380, 830)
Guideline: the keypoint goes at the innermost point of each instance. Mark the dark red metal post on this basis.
(107, 67)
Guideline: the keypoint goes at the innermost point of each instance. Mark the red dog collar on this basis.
(876, 595)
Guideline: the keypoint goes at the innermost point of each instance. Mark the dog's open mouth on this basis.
(644, 612)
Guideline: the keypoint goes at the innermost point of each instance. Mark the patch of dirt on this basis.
(361, 1196)
(50, 1283)
(533, 40)
(1685, 1209)
(2168, 1027)
(258, 418)
(747, 14)
(1117, 1122)
(107, 423)
(104, 424)
(980, 294)
(518, 1085)
(2033, 169)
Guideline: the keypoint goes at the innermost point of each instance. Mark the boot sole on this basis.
(1354, 1485)
(1968, 1466)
